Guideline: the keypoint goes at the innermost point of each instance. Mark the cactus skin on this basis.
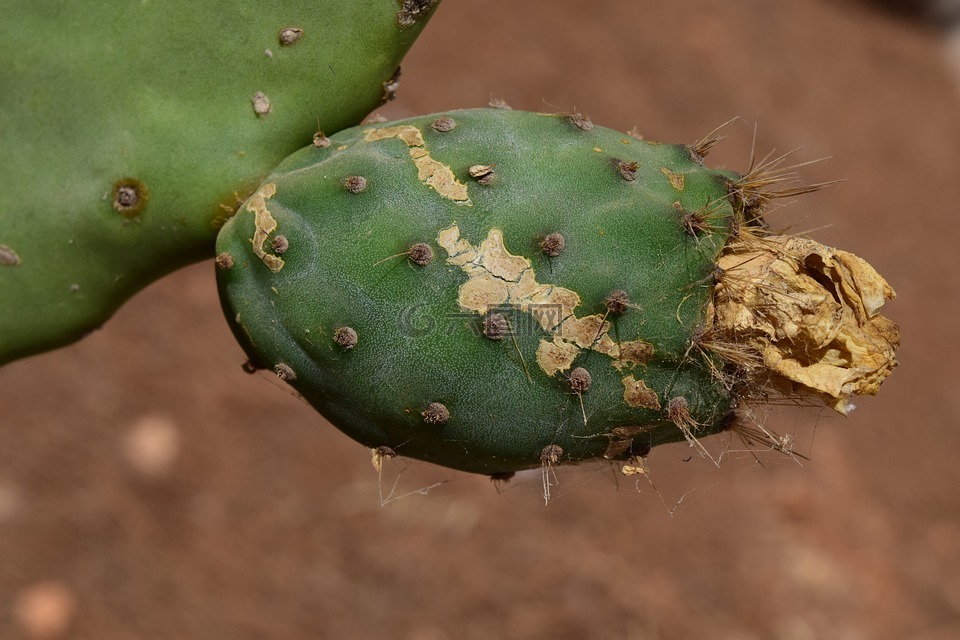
(167, 94)
(402, 352)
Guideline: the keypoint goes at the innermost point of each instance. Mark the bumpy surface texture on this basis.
(132, 130)
(494, 290)
(531, 357)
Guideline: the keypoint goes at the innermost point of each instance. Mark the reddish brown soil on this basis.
(269, 523)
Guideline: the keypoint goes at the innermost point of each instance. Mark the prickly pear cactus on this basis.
(493, 290)
(131, 130)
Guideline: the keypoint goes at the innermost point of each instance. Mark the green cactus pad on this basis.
(132, 130)
(493, 290)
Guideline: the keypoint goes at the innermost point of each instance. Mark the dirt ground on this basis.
(150, 489)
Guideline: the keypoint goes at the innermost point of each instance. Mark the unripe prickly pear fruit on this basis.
(494, 290)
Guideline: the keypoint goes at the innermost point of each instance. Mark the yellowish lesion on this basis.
(264, 224)
(496, 278)
(637, 394)
(429, 171)
(633, 353)
(556, 355)
(678, 180)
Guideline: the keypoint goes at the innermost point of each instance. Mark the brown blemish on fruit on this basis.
(495, 326)
(444, 124)
(553, 245)
(627, 169)
(265, 224)
(420, 254)
(436, 413)
(633, 353)
(455, 246)
(285, 372)
(129, 197)
(482, 173)
(390, 86)
(345, 337)
(497, 278)
(8, 257)
(551, 454)
(590, 332)
(429, 171)
(355, 184)
(637, 394)
(810, 312)
(413, 10)
(556, 355)
(676, 179)
(224, 261)
(261, 104)
(289, 36)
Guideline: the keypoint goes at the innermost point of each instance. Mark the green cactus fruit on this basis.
(493, 290)
(132, 130)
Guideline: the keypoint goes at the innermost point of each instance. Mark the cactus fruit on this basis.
(132, 130)
(514, 289)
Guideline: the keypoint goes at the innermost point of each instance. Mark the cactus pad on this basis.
(132, 130)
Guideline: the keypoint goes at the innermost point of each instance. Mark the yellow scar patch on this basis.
(676, 179)
(496, 277)
(556, 355)
(636, 393)
(633, 353)
(429, 171)
(265, 224)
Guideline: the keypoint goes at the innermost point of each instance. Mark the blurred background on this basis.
(150, 489)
